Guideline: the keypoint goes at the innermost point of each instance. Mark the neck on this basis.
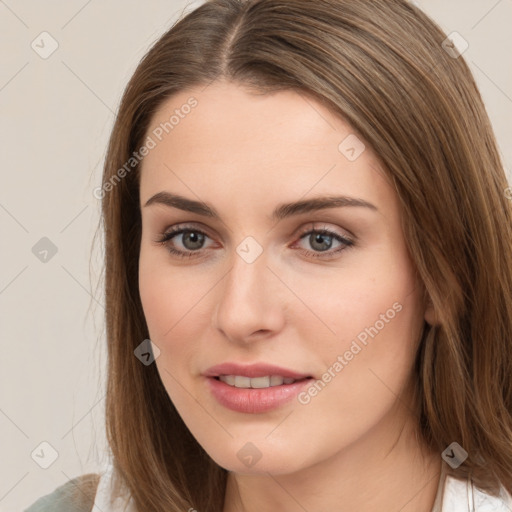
(388, 469)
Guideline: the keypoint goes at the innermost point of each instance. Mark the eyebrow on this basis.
(281, 212)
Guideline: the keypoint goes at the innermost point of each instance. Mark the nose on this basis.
(251, 303)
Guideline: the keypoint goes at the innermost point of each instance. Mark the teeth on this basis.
(239, 381)
(228, 379)
(259, 382)
(276, 380)
(242, 382)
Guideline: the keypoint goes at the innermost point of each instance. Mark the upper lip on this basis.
(252, 370)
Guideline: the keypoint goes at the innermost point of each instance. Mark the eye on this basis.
(192, 241)
(321, 241)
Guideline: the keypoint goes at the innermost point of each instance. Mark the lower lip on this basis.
(251, 400)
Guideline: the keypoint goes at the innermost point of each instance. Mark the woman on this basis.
(308, 279)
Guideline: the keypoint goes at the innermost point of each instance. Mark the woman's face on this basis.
(269, 285)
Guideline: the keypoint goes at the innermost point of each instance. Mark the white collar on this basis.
(103, 498)
(463, 496)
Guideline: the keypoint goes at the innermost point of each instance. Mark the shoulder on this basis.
(77, 495)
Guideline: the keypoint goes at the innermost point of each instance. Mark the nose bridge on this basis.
(246, 281)
(248, 302)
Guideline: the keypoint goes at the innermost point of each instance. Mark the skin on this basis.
(353, 446)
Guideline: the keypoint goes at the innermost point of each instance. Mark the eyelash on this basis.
(169, 235)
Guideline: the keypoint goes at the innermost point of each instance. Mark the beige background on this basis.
(56, 115)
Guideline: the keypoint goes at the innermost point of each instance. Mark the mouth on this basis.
(235, 373)
(256, 388)
(268, 381)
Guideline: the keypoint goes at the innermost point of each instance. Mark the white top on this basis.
(454, 496)
(104, 500)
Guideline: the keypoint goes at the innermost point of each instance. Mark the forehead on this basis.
(294, 117)
(223, 138)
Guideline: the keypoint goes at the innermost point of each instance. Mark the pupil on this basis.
(320, 238)
(195, 239)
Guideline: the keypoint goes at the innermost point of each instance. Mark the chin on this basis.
(240, 455)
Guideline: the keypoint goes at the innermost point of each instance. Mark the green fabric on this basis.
(69, 497)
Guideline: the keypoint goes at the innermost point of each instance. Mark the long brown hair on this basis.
(381, 66)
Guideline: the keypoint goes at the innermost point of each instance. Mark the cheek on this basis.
(158, 300)
(175, 305)
(374, 297)
(169, 296)
(367, 364)
(374, 315)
